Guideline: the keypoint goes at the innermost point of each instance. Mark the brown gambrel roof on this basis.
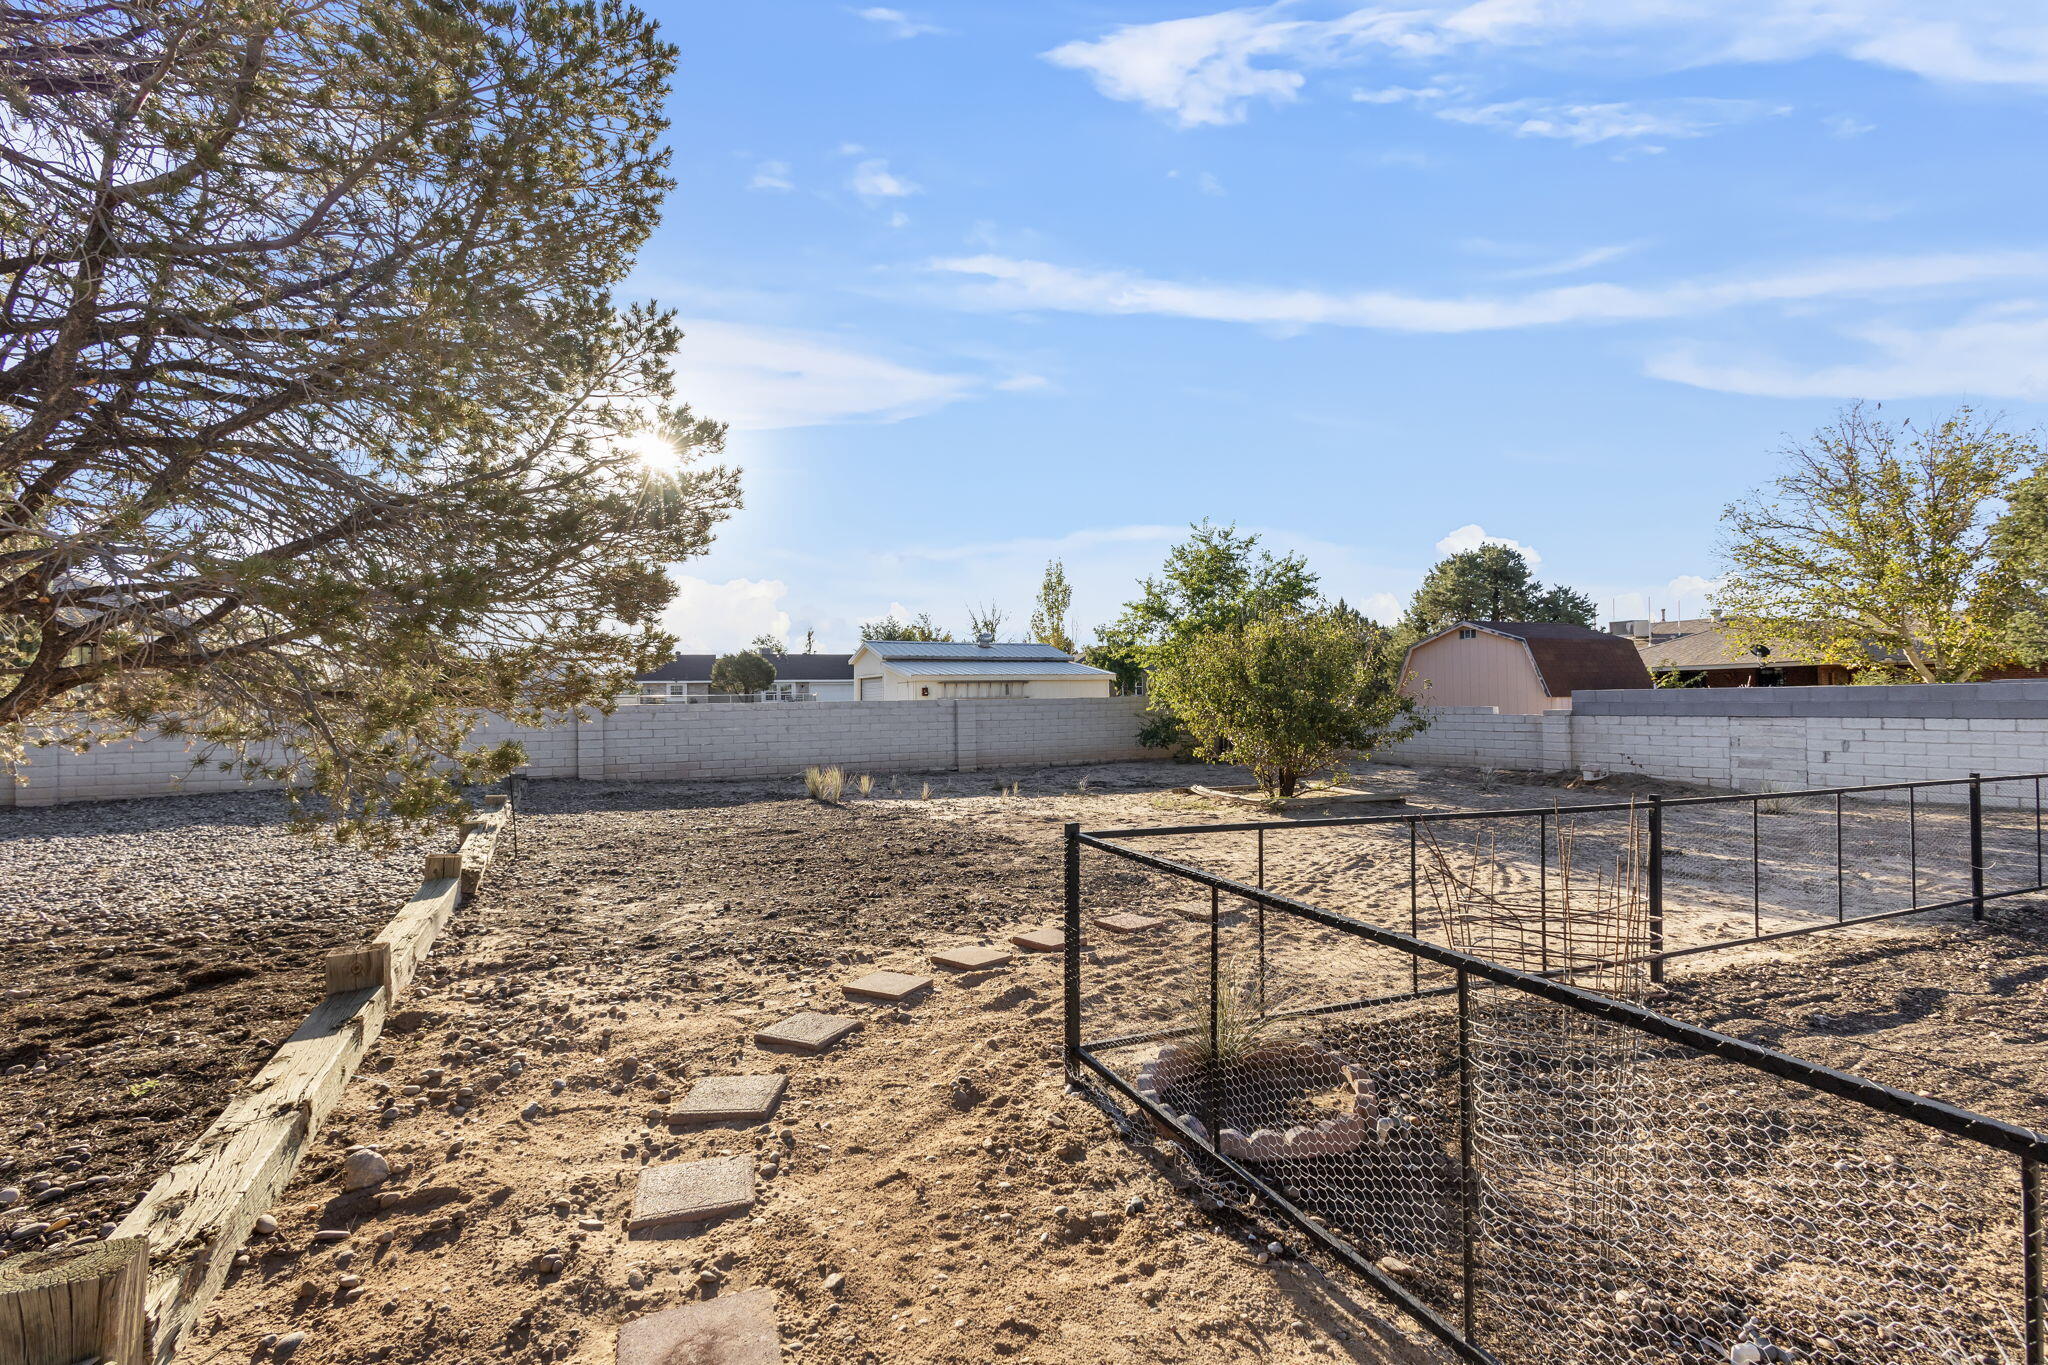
(1572, 658)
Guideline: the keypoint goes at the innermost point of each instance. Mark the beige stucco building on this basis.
(918, 670)
(1518, 667)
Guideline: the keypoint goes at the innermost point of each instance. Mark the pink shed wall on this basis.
(1487, 670)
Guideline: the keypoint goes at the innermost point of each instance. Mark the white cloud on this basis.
(1571, 265)
(872, 179)
(1209, 184)
(1686, 596)
(713, 618)
(897, 23)
(1023, 383)
(1472, 536)
(1210, 68)
(2002, 353)
(1031, 285)
(761, 378)
(771, 175)
(1845, 125)
(1585, 124)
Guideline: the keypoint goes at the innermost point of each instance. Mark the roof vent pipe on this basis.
(985, 639)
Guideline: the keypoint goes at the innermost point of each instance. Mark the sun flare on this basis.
(654, 453)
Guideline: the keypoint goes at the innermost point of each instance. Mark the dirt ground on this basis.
(641, 934)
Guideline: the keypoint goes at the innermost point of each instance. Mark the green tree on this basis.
(1491, 583)
(1049, 617)
(2020, 540)
(769, 644)
(1882, 539)
(986, 620)
(919, 627)
(1214, 578)
(1284, 693)
(322, 435)
(742, 673)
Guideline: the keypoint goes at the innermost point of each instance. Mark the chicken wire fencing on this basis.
(1483, 1121)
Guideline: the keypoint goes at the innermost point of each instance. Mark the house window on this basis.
(1468, 634)
(985, 689)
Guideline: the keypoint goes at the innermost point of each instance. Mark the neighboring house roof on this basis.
(896, 651)
(997, 668)
(1568, 658)
(1703, 645)
(788, 668)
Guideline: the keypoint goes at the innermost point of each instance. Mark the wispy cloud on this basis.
(761, 378)
(1585, 124)
(896, 23)
(1028, 285)
(771, 175)
(872, 179)
(708, 617)
(2002, 353)
(1211, 68)
(1573, 264)
(1846, 126)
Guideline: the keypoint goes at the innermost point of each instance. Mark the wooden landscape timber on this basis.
(176, 1245)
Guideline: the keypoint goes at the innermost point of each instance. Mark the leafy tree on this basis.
(1216, 577)
(810, 642)
(320, 434)
(919, 627)
(1880, 539)
(1049, 617)
(1284, 692)
(769, 644)
(1491, 583)
(986, 620)
(2020, 540)
(742, 673)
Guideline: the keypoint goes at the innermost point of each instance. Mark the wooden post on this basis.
(443, 865)
(73, 1303)
(356, 969)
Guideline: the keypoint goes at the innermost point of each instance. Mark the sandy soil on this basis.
(975, 1211)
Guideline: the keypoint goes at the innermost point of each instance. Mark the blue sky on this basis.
(980, 284)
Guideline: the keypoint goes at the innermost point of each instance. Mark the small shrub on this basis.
(867, 784)
(825, 784)
(926, 794)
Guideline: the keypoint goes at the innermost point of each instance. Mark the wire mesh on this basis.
(1540, 1179)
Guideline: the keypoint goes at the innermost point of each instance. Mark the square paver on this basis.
(692, 1192)
(1126, 922)
(1041, 940)
(887, 985)
(732, 1329)
(973, 959)
(809, 1030)
(715, 1098)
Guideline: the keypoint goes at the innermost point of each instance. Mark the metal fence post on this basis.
(1977, 847)
(1414, 904)
(1213, 1081)
(1073, 952)
(1657, 890)
(2032, 1249)
(1262, 922)
(1841, 910)
(1469, 1206)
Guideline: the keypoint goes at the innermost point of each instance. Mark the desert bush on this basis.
(825, 784)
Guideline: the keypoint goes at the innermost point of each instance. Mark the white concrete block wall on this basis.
(671, 743)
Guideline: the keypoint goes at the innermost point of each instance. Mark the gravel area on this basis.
(156, 953)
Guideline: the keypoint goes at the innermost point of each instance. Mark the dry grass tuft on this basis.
(825, 784)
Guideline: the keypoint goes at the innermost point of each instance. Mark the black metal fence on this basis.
(1541, 1172)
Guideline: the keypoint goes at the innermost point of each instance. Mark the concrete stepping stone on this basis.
(1125, 922)
(692, 1192)
(810, 1030)
(717, 1098)
(1041, 940)
(732, 1329)
(973, 959)
(887, 985)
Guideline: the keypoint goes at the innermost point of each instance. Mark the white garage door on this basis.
(870, 689)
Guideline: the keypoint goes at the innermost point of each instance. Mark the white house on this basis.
(798, 677)
(917, 670)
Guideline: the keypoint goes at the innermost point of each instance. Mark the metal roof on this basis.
(897, 650)
(996, 668)
(788, 668)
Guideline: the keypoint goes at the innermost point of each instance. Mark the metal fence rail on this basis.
(1723, 871)
(1540, 1172)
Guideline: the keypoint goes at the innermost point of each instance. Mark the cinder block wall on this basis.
(639, 743)
(1758, 739)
